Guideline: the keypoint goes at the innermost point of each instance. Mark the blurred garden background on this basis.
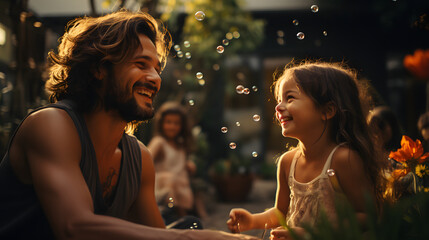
(222, 63)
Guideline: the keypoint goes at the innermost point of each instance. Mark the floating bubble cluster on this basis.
(200, 15)
(224, 129)
(170, 202)
(300, 35)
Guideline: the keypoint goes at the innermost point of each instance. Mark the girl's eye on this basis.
(289, 97)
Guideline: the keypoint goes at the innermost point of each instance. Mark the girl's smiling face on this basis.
(172, 125)
(296, 111)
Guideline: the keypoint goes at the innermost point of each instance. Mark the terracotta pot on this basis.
(234, 188)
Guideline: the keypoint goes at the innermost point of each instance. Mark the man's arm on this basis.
(145, 209)
(52, 148)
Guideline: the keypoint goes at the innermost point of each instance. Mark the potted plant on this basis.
(232, 178)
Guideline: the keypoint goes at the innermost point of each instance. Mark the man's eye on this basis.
(141, 64)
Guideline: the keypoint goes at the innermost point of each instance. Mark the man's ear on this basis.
(329, 111)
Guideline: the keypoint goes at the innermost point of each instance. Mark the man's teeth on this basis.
(145, 92)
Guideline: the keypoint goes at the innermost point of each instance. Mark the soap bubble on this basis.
(191, 102)
(280, 33)
(177, 47)
(239, 89)
(200, 15)
(330, 172)
(246, 91)
(188, 66)
(202, 82)
(188, 55)
(314, 8)
(325, 33)
(225, 42)
(220, 49)
(179, 82)
(216, 67)
(280, 41)
(199, 75)
(224, 129)
(254, 154)
(237, 124)
(229, 36)
(295, 22)
(232, 145)
(236, 34)
(255, 88)
(300, 35)
(256, 118)
(180, 54)
(187, 44)
(170, 202)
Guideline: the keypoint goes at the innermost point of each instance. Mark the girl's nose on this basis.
(279, 107)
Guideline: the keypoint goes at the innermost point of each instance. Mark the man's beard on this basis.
(128, 109)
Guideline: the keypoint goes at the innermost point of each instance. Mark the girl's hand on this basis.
(282, 233)
(191, 167)
(239, 220)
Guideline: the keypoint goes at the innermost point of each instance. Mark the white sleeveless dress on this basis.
(172, 179)
(308, 199)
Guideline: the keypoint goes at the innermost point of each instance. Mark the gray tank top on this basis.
(21, 214)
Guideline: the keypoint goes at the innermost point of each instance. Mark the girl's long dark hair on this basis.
(334, 83)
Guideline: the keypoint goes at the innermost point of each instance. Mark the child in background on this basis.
(321, 105)
(387, 132)
(170, 148)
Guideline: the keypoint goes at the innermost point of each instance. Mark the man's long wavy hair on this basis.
(335, 83)
(92, 43)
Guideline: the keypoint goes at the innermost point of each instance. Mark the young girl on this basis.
(320, 104)
(170, 148)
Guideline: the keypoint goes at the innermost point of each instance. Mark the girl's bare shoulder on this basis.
(286, 158)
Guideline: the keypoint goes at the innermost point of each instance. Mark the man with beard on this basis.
(72, 170)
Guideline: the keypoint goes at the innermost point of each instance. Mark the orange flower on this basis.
(397, 173)
(418, 63)
(409, 151)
